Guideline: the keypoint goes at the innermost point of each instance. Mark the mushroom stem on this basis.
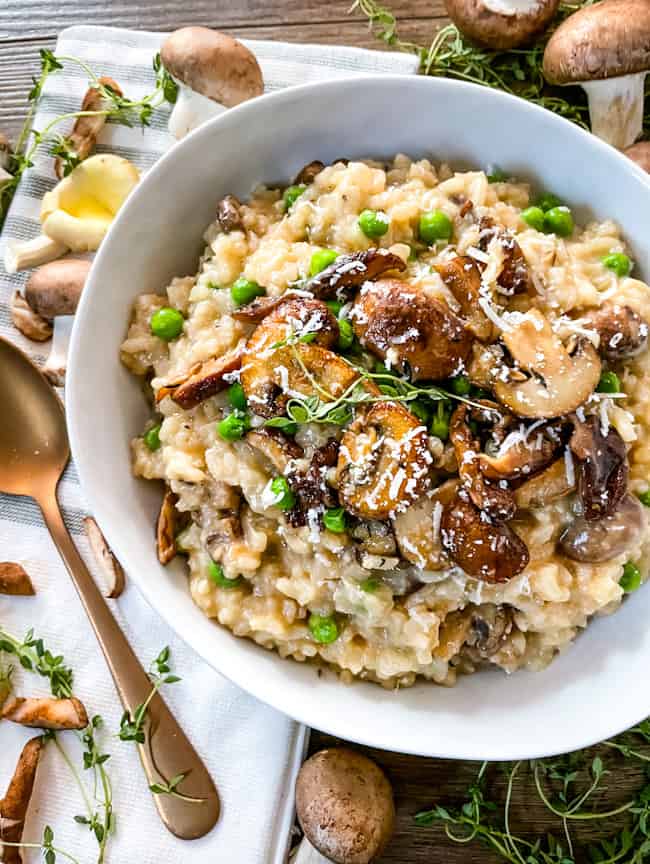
(191, 110)
(616, 108)
(32, 253)
(55, 365)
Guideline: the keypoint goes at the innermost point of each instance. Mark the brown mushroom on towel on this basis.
(501, 24)
(106, 560)
(25, 320)
(46, 713)
(605, 49)
(345, 808)
(409, 329)
(351, 271)
(14, 580)
(13, 807)
(214, 72)
(166, 528)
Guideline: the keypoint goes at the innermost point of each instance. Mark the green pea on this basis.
(644, 498)
(334, 306)
(167, 323)
(497, 176)
(558, 220)
(322, 259)
(346, 334)
(152, 438)
(618, 263)
(291, 195)
(547, 201)
(374, 223)
(440, 423)
(244, 290)
(236, 396)
(420, 410)
(631, 578)
(335, 520)
(534, 216)
(370, 585)
(234, 426)
(284, 497)
(433, 226)
(216, 574)
(460, 385)
(609, 383)
(323, 628)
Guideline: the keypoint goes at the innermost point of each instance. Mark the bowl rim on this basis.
(299, 711)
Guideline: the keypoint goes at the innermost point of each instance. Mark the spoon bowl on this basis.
(34, 451)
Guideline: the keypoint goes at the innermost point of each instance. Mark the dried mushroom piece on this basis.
(383, 463)
(13, 807)
(106, 560)
(462, 277)
(623, 332)
(352, 271)
(556, 382)
(166, 529)
(602, 468)
(87, 128)
(14, 580)
(30, 324)
(485, 550)
(417, 333)
(205, 380)
(608, 537)
(229, 214)
(46, 713)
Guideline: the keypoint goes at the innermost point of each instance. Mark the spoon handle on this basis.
(166, 751)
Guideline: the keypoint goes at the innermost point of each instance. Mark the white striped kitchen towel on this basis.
(251, 750)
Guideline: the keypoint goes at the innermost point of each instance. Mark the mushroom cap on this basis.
(345, 806)
(640, 153)
(501, 24)
(213, 64)
(55, 288)
(601, 41)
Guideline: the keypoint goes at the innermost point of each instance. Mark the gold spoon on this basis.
(34, 450)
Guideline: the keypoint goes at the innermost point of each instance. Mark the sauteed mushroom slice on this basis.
(490, 627)
(14, 580)
(602, 468)
(351, 271)
(311, 488)
(417, 528)
(229, 214)
(494, 499)
(514, 277)
(257, 310)
(483, 549)
(46, 713)
(205, 380)
(383, 463)
(558, 382)
(276, 447)
(13, 807)
(463, 278)
(623, 332)
(419, 333)
(309, 172)
(521, 452)
(549, 485)
(166, 528)
(607, 538)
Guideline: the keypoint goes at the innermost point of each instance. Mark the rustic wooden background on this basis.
(26, 26)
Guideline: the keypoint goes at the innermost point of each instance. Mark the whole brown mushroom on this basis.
(214, 71)
(501, 24)
(345, 808)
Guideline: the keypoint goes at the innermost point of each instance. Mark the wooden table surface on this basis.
(26, 26)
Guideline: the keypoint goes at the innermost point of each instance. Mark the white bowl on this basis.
(597, 687)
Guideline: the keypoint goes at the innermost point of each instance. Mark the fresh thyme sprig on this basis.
(47, 847)
(117, 109)
(132, 727)
(518, 72)
(170, 788)
(32, 655)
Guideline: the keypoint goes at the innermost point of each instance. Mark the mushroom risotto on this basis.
(402, 419)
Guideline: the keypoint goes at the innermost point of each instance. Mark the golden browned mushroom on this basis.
(549, 485)
(351, 271)
(384, 461)
(501, 24)
(277, 448)
(214, 71)
(514, 276)
(46, 713)
(205, 380)
(483, 549)
(623, 332)
(345, 808)
(640, 153)
(417, 528)
(602, 469)
(558, 382)
(13, 807)
(166, 528)
(14, 580)
(605, 49)
(25, 320)
(607, 538)
(311, 487)
(86, 129)
(412, 331)
(463, 278)
(229, 214)
(106, 560)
